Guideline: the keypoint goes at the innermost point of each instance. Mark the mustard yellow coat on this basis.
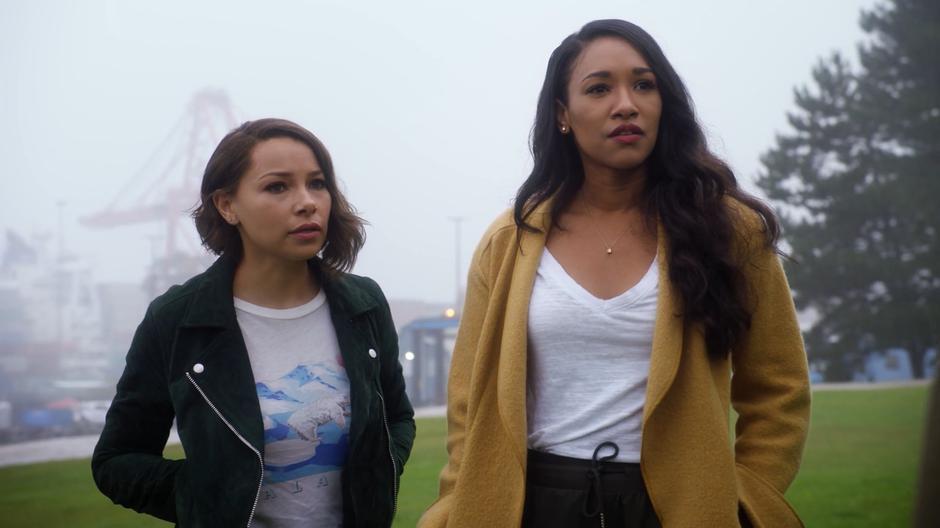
(696, 474)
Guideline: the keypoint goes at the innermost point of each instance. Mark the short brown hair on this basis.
(345, 233)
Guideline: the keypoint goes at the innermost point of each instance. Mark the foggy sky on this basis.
(425, 106)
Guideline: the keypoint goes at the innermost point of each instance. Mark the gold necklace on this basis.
(610, 247)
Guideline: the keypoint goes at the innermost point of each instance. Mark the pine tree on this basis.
(856, 182)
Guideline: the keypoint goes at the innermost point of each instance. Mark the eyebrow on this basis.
(285, 174)
(604, 74)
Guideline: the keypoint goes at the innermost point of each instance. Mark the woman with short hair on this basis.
(279, 367)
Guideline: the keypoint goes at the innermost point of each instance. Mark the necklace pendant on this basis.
(610, 251)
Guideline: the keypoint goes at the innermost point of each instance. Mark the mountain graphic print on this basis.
(306, 421)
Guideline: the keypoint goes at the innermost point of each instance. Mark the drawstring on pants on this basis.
(594, 500)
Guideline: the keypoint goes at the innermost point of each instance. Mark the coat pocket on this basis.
(763, 504)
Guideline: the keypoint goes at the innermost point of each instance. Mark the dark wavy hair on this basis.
(345, 233)
(687, 190)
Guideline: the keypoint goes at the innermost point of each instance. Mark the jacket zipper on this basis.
(388, 434)
(254, 506)
(391, 456)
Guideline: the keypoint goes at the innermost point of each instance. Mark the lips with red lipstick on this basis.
(306, 231)
(626, 134)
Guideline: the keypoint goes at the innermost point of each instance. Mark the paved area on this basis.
(431, 412)
(71, 447)
(47, 450)
(869, 386)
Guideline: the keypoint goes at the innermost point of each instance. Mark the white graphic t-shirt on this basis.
(304, 395)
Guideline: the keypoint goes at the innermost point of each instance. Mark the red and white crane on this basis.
(166, 187)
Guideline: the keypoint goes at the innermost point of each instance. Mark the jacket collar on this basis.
(212, 302)
(342, 292)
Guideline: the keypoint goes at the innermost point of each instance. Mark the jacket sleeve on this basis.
(769, 390)
(400, 413)
(128, 464)
(458, 383)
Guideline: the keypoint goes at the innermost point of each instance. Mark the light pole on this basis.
(457, 220)
(60, 278)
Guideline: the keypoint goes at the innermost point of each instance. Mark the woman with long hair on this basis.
(616, 314)
(279, 368)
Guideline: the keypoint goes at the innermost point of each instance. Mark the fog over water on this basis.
(425, 106)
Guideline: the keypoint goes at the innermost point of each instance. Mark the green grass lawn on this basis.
(860, 465)
(859, 471)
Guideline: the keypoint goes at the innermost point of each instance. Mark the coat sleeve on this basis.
(458, 383)
(400, 413)
(769, 391)
(128, 464)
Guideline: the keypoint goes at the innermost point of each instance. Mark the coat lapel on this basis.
(511, 382)
(228, 382)
(667, 334)
(347, 304)
(209, 336)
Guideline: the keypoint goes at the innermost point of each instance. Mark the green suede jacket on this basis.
(188, 361)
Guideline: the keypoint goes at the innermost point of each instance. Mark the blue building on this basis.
(894, 364)
(425, 349)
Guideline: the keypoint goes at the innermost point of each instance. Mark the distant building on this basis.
(893, 364)
(122, 309)
(176, 269)
(405, 311)
(50, 326)
(890, 365)
(425, 349)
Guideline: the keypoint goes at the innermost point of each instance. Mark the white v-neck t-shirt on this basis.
(588, 364)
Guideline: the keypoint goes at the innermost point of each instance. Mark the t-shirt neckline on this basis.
(550, 265)
(294, 312)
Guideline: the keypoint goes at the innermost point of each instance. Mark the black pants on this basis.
(569, 493)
